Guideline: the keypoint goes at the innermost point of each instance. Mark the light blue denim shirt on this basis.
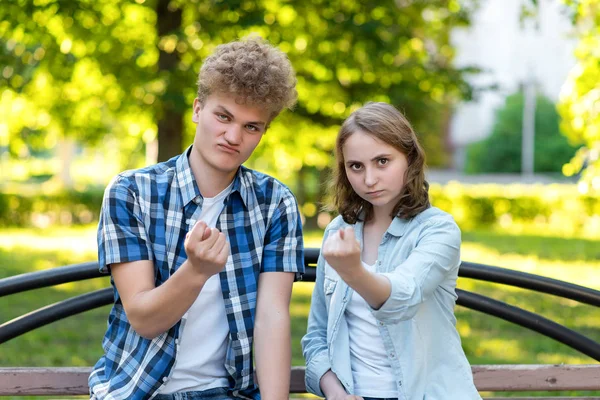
(420, 256)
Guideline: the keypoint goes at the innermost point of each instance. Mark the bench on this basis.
(72, 381)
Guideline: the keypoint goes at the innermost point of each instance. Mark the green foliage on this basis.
(42, 210)
(580, 97)
(501, 151)
(94, 69)
(556, 210)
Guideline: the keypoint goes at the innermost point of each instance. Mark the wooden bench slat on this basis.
(66, 381)
(542, 398)
(536, 377)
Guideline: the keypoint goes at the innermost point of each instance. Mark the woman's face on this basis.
(375, 169)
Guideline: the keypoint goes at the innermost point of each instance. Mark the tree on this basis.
(96, 68)
(579, 103)
(501, 151)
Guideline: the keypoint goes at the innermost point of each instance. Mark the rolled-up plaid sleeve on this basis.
(121, 233)
(283, 246)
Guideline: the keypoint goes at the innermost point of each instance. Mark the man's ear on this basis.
(196, 111)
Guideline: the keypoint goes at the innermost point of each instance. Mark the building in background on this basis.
(511, 51)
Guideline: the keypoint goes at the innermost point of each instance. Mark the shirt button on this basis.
(399, 383)
(392, 355)
(177, 342)
(165, 379)
(381, 323)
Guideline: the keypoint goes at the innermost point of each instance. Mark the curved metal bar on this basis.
(55, 312)
(516, 315)
(499, 275)
(529, 320)
(49, 277)
(470, 300)
(530, 281)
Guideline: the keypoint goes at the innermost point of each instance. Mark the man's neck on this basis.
(209, 181)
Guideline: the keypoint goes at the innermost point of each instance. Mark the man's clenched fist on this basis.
(207, 249)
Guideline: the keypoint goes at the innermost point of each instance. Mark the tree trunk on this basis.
(170, 117)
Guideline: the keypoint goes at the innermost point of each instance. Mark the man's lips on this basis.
(228, 149)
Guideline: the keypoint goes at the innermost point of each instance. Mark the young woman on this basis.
(381, 324)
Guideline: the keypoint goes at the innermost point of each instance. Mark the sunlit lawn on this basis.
(76, 341)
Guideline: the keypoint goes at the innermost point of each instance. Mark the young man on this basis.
(203, 251)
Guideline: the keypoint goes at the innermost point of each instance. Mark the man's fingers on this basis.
(224, 252)
(197, 230)
(206, 233)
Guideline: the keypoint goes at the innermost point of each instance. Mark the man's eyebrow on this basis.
(224, 111)
(230, 115)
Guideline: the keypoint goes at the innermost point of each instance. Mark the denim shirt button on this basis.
(392, 355)
(381, 323)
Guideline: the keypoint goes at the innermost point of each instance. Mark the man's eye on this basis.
(252, 128)
(223, 117)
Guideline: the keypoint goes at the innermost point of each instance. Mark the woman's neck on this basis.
(373, 231)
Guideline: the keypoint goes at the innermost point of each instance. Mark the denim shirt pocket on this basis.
(329, 285)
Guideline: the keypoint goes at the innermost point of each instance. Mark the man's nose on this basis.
(233, 134)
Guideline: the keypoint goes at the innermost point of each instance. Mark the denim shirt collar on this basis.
(397, 228)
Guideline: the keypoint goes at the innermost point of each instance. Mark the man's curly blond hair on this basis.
(252, 70)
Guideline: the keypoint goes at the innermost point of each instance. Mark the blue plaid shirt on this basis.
(146, 214)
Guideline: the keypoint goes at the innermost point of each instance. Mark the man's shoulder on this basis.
(264, 185)
(156, 174)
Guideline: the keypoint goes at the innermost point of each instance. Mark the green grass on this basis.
(76, 341)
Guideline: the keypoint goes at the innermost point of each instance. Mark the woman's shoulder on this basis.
(433, 216)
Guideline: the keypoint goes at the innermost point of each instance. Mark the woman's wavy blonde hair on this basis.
(384, 122)
(253, 71)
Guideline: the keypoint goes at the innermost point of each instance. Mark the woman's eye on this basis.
(355, 167)
(383, 161)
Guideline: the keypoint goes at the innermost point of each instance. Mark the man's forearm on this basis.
(155, 311)
(273, 354)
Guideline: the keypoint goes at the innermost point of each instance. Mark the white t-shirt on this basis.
(371, 372)
(202, 345)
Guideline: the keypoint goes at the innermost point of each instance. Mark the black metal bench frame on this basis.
(73, 381)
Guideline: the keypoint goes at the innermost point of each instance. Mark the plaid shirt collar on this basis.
(189, 189)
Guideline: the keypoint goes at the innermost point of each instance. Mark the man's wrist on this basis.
(191, 272)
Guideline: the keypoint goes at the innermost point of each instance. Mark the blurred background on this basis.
(504, 96)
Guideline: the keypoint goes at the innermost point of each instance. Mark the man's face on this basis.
(226, 132)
